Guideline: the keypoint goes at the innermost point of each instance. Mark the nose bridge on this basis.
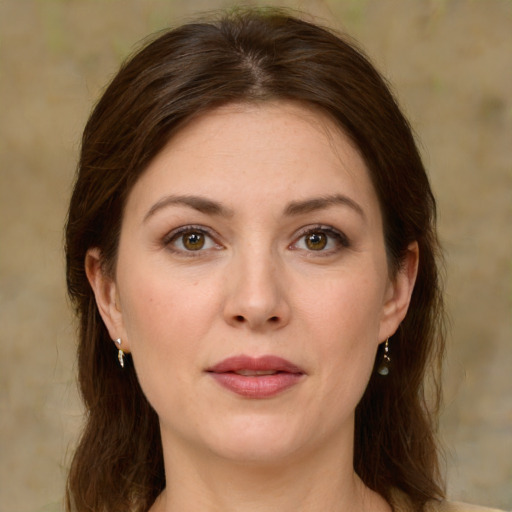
(256, 293)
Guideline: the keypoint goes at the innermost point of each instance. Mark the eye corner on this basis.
(329, 240)
(201, 240)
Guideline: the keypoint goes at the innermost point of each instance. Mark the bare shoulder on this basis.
(401, 503)
(454, 506)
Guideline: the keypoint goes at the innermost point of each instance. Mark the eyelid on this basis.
(340, 238)
(173, 235)
(334, 234)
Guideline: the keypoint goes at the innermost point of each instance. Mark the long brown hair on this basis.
(249, 55)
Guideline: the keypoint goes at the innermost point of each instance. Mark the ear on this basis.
(106, 294)
(399, 292)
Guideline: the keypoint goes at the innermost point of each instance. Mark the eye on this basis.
(320, 239)
(190, 239)
(316, 241)
(193, 241)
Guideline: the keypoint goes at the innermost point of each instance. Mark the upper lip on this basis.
(263, 363)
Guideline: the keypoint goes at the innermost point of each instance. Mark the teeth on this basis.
(254, 373)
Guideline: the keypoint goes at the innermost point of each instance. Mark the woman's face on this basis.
(252, 286)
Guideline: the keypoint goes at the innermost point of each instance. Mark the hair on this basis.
(250, 56)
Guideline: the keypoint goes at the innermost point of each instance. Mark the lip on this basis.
(286, 375)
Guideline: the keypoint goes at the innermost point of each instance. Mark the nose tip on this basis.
(256, 299)
(240, 319)
(257, 319)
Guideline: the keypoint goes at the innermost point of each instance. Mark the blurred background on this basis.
(450, 63)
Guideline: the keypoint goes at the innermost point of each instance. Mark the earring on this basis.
(384, 366)
(120, 354)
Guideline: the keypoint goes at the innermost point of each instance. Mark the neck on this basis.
(299, 484)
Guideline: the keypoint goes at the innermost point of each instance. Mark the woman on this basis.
(251, 251)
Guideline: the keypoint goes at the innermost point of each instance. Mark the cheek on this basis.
(166, 324)
(165, 317)
(345, 309)
(343, 320)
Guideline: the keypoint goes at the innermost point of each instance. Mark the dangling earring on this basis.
(384, 366)
(120, 354)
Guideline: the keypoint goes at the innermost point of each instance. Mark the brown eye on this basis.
(322, 240)
(316, 241)
(193, 241)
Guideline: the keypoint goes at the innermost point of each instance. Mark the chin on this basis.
(250, 440)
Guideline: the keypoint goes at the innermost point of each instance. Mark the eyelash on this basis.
(339, 238)
(332, 234)
(178, 233)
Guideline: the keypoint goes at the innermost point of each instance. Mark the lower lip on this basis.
(262, 386)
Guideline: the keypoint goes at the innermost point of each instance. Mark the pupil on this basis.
(316, 241)
(194, 241)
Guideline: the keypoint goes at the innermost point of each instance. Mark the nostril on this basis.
(239, 318)
(273, 319)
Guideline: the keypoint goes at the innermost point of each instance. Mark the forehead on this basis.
(274, 122)
(263, 151)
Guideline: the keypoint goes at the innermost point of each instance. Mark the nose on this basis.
(257, 296)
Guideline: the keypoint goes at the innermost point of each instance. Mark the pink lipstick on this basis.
(260, 377)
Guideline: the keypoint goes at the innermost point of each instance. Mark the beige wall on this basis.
(451, 64)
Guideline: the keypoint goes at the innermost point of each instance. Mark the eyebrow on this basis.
(320, 203)
(198, 203)
(210, 207)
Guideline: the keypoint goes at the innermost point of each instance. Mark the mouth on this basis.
(261, 377)
(255, 373)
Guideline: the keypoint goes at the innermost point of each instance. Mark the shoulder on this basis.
(453, 506)
(401, 503)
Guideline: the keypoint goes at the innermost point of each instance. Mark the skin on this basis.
(256, 288)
